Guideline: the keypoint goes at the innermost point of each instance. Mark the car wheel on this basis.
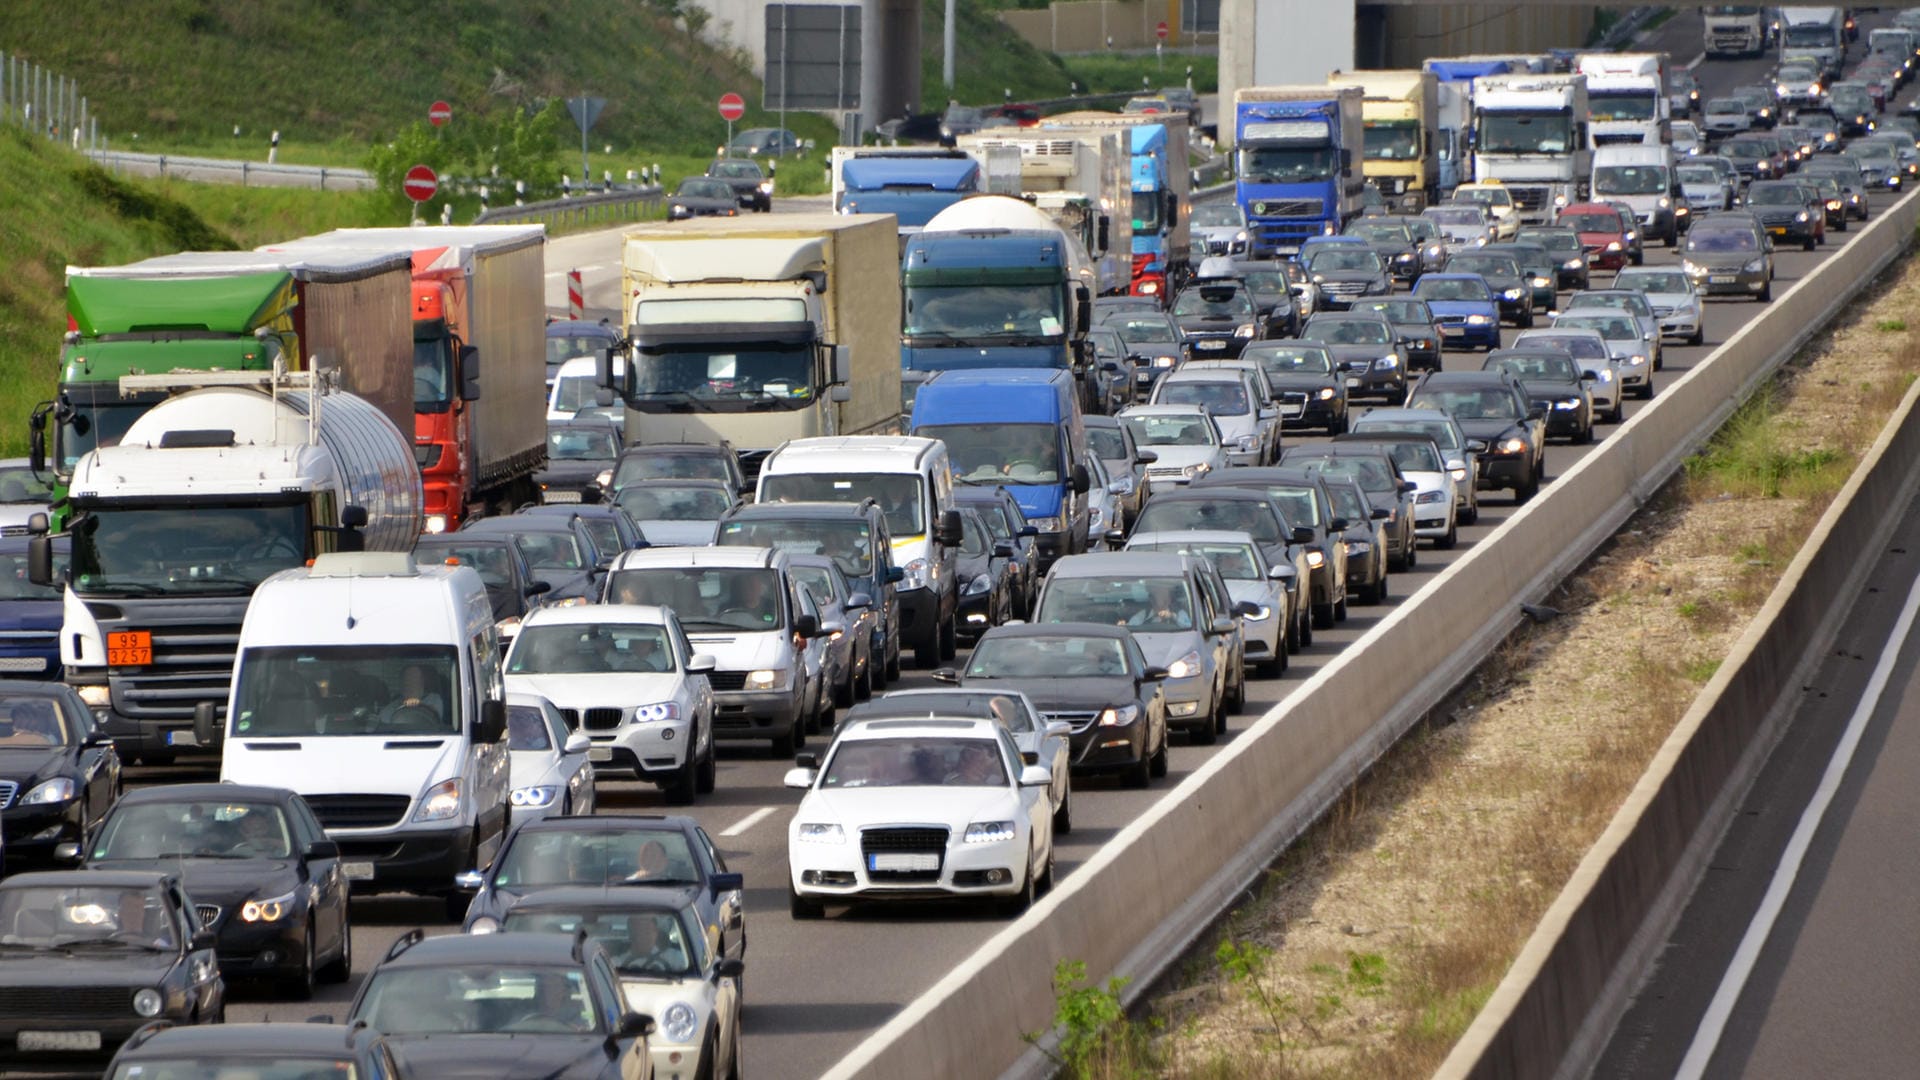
(926, 651)
(1526, 490)
(1765, 295)
(686, 780)
(1809, 243)
(1639, 257)
(1646, 392)
(1045, 884)
(1447, 542)
(1699, 336)
(708, 1049)
(843, 694)
(1340, 609)
(863, 689)
(787, 742)
(1140, 773)
(1525, 321)
(802, 908)
(1306, 628)
(342, 967)
(892, 669)
(1323, 616)
(299, 985)
(1619, 410)
(1157, 762)
(1277, 666)
(1382, 587)
(707, 778)
(1063, 817)
(1017, 904)
(949, 639)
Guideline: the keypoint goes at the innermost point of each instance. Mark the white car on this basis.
(1592, 353)
(1241, 406)
(1250, 579)
(576, 386)
(1435, 507)
(1463, 227)
(1048, 741)
(1497, 201)
(548, 766)
(1675, 301)
(1445, 431)
(1184, 436)
(627, 675)
(937, 808)
(1626, 343)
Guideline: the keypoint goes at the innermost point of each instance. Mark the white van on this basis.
(1643, 178)
(372, 686)
(912, 481)
(576, 386)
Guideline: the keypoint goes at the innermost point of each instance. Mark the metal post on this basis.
(946, 49)
(786, 63)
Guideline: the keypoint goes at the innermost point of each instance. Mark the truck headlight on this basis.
(678, 1023)
(535, 797)
(1119, 717)
(441, 802)
(272, 909)
(96, 695)
(820, 833)
(656, 712)
(988, 832)
(436, 523)
(1186, 667)
(766, 678)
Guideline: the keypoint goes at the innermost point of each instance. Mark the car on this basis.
(677, 513)
(1491, 408)
(941, 808)
(1184, 437)
(1463, 462)
(146, 958)
(1396, 245)
(570, 339)
(1753, 157)
(1553, 381)
(581, 451)
(1110, 378)
(1571, 269)
(560, 551)
(549, 763)
(665, 960)
(1833, 198)
(680, 461)
(1539, 271)
(1465, 307)
(613, 530)
(1373, 465)
(1367, 350)
(1494, 197)
(262, 875)
(1688, 139)
(59, 774)
(576, 390)
(1179, 611)
(1464, 226)
(766, 142)
(1630, 301)
(1627, 345)
(452, 1006)
(1593, 355)
(1853, 107)
(849, 659)
(1501, 270)
(1725, 116)
(985, 570)
(1602, 231)
(1103, 506)
(702, 196)
(31, 615)
(1241, 408)
(1306, 383)
(1762, 110)
(1418, 327)
(22, 494)
(1267, 516)
(958, 120)
(1422, 463)
(512, 588)
(1272, 287)
(1217, 317)
(1364, 539)
(1048, 741)
(1345, 272)
(1319, 568)
(1094, 678)
(1220, 226)
(1730, 256)
(162, 1049)
(626, 676)
(1250, 580)
(1789, 211)
(1155, 345)
(752, 187)
(1112, 442)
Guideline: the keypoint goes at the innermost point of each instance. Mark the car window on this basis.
(29, 721)
(590, 649)
(474, 999)
(596, 857)
(915, 761)
(1147, 605)
(666, 502)
(197, 828)
(1151, 430)
(1032, 656)
(642, 942)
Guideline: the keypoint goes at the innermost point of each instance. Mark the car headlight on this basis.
(571, 601)
(1430, 497)
(1692, 268)
(1636, 360)
(766, 678)
(980, 585)
(148, 1002)
(1119, 717)
(676, 208)
(1801, 216)
(533, 798)
(1513, 294)
(1262, 615)
(272, 909)
(1434, 251)
(1764, 166)
(1319, 279)
(1164, 361)
(1665, 203)
(1512, 446)
(988, 832)
(1542, 282)
(1389, 362)
(1240, 237)
(1567, 404)
(1046, 524)
(659, 710)
(1781, 89)
(1327, 393)
(1358, 547)
(679, 1023)
(1316, 559)
(1248, 442)
(914, 574)
(1478, 320)
(604, 479)
(1458, 474)
(766, 187)
(1186, 667)
(1191, 471)
(1607, 375)
(1244, 330)
(1613, 245)
(442, 801)
(1572, 264)
(485, 924)
(821, 833)
(57, 790)
(97, 695)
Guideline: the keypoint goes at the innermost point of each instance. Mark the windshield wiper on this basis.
(124, 588)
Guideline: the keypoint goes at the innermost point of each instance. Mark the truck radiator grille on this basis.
(1619, 138)
(724, 681)
(1287, 208)
(192, 662)
(1529, 198)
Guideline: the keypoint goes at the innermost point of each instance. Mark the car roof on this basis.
(1196, 536)
(1390, 413)
(1164, 410)
(596, 614)
(1188, 495)
(1467, 378)
(247, 1039)
(671, 482)
(498, 948)
(582, 328)
(1070, 629)
(601, 821)
(32, 688)
(1214, 375)
(584, 510)
(883, 727)
(760, 558)
(1106, 564)
(223, 792)
(508, 524)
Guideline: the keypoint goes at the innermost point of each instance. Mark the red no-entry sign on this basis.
(732, 107)
(421, 183)
(439, 113)
(1160, 31)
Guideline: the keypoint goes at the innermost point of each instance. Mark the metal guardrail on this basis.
(578, 211)
(231, 171)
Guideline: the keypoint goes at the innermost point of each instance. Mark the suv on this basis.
(561, 551)
(1495, 413)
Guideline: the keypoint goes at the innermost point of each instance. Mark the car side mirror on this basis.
(1476, 446)
(207, 728)
(322, 849)
(470, 880)
(1408, 487)
(1146, 457)
(895, 574)
(1035, 776)
(701, 663)
(1081, 481)
(725, 883)
(538, 587)
(1303, 535)
(1221, 624)
(1118, 487)
(577, 743)
(634, 1025)
(1154, 674)
(203, 940)
(1003, 549)
(1110, 367)
(491, 725)
(1589, 376)
(1116, 537)
(856, 601)
(807, 626)
(1246, 608)
(799, 777)
(1380, 514)
(732, 967)
(1339, 524)
(1028, 530)
(1536, 413)
(949, 531)
(946, 675)
(831, 627)
(1059, 729)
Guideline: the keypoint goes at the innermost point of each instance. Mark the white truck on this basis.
(235, 477)
(372, 686)
(1081, 180)
(758, 330)
(1819, 32)
(1530, 134)
(1627, 98)
(1643, 178)
(1736, 29)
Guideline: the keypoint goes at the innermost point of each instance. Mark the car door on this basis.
(99, 764)
(324, 876)
(730, 906)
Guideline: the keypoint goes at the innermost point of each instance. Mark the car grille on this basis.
(1528, 198)
(1287, 208)
(1295, 400)
(724, 681)
(1771, 218)
(923, 840)
(209, 914)
(1344, 288)
(359, 811)
(1450, 320)
(1080, 721)
(8, 789)
(1662, 312)
(603, 719)
(64, 1002)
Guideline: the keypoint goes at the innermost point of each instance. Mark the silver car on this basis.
(548, 764)
(1675, 301)
(1250, 580)
(1630, 301)
(1592, 353)
(1463, 226)
(849, 653)
(1626, 345)
(1184, 437)
(1445, 431)
(1248, 421)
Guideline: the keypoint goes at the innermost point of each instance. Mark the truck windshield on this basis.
(1146, 211)
(1623, 105)
(1630, 180)
(1817, 36)
(1392, 140)
(1288, 164)
(1525, 132)
(1000, 453)
(898, 494)
(973, 312)
(94, 424)
(179, 548)
(304, 691)
(705, 597)
(759, 377)
(432, 373)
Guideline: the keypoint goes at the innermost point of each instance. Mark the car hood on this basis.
(1602, 239)
(1462, 307)
(86, 966)
(225, 882)
(1300, 381)
(1207, 325)
(1346, 354)
(1489, 430)
(1326, 276)
(955, 807)
(1175, 457)
(1549, 388)
(1165, 648)
(383, 765)
(621, 689)
(661, 532)
(30, 765)
(571, 472)
(486, 1057)
(742, 651)
(1065, 695)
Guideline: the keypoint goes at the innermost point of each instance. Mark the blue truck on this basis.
(1162, 190)
(912, 184)
(1299, 151)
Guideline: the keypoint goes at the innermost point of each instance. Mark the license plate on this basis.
(58, 1040)
(1292, 410)
(1778, 231)
(1723, 279)
(1210, 345)
(182, 738)
(1454, 331)
(1352, 382)
(129, 648)
(903, 861)
(600, 753)
(357, 871)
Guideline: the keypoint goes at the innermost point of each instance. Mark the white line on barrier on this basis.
(747, 822)
(1712, 1025)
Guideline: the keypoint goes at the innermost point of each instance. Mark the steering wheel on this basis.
(742, 617)
(412, 716)
(540, 1023)
(425, 389)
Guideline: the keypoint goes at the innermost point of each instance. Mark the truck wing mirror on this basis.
(469, 373)
(1081, 481)
(1082, 309)
(1173, 209)
(37, 437)
(1105, 236)
(842, 364)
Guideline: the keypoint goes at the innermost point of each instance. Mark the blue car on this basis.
(1465, 308)
(29, 614)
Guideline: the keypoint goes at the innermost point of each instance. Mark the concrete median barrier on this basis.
(1151, 890)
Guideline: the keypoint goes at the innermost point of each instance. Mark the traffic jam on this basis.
(875, 561)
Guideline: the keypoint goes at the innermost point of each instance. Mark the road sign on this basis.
(732, 106)
(1160, 31)
(421, 183)
(439, 113)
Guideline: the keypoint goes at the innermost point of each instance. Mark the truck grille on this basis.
(1619, 138)
(724, 681)
(359, 811)
(1529, 199)
(922, 840)
(64, 1002)
(1287, 208)
(192, 661)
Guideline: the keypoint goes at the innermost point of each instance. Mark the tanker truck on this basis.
(232, 477)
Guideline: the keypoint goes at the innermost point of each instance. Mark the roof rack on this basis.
(407, 941)
(146, 1031)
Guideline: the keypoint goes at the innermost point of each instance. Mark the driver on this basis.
(259, 836)
(554, 1006)
(650, 950)
(750, 597)
(1030, 452)
(415, 695)
(650, 862)
(1162, 607)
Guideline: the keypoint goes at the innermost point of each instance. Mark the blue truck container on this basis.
(1299, 151)
(912, 188)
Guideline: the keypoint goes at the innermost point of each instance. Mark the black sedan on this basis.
(613, 529)
(59, 774)
(511, 587)
(1305, 377)
(560, 552)
(580, 456)
(702, 196)
(1553, 381)
(89, 957)
(1092, 677)
(1006, 521)
(227, 1050)
(1379, 477)
(1346, 272)
(262, 874)
(1491, 408)
(985, 572)
(1414, 321)
(1502, 271)
(1366, 350)
(751, 185)
(1217, 317)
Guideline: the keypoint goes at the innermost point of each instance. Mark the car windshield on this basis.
(1216, 215)
(545, 857)
(1488, 266)
(1443, 434)
(1188, 430)
(1350, 331)
(73, 916)
(1253, 517)
(1235, 562)
(640, 943)
(1592, 221)
(899, 494)
(745, 169)
(18, 484)
(1140, 329)
(1774, 196)
(1416, 457)
(590, 649)
(1217, 397)
(700, 188)
(1629, 302)
(1578, 346)
(1722, 240)
(655, 501)
(706, 597)
(1371, 472)
(849, 542)
(1459, 215)
(994, 454)
(194, 829)
(1470, 403)
(1214, 302)
(581, 444)
(1348, 502)
(1611, 327)
(556, 550)
(1630, 180)
(1431, 288)
(1380, 230)
(493, 562)
(1291, 360)
(527, 728)
(915, 761)
(1553, 240)
(654, 465)
(1154, 605)
(1108, 444)
(339, 690)
(1746, 148)
(1341, 258)
(1726, 107)
(494, 999)
(1047, 656)
(31, 721)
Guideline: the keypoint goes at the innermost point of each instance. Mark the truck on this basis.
(1627, 98)
(479, 298)
(1453, 126)
(1735, 29)
(1398, 114)
(1530, 134)
(1162, 192)
(233, 476)
(1298, 163)
(757, 331)
(1819, 32)
(913, 183)
(219, 311)
(1080, 179)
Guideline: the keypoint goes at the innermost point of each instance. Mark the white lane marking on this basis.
(1695, 62)
(1712, 1025)
(747, 822)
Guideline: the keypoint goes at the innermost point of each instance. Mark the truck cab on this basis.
(1298, 167)
(911, 184)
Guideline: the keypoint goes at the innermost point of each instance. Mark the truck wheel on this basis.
(788, 741)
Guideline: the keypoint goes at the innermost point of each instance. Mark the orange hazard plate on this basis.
(130, 648)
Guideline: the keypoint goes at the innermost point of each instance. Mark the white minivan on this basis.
(372, 686)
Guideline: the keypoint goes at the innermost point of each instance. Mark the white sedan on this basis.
(935, 809)
(548, 768)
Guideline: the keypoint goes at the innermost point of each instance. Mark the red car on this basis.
(1602, 232)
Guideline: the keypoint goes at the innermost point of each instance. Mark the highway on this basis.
(817, 989)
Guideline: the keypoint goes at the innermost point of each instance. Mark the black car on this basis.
(1306, 383)
(702, 196)
(1006, 521)
(610, 849)
(751, 185)
(1494, 412)
(1789, 210)
(1373, 467)
(1365, 537)
(1109, 376)
(1308, 504)
(1228, 509)
(1396, 245)
(1502, 271)
(261, 872)
(89, 957)
(611, 526)
(1093, 678)
(985, 569)
(569, 339)
(59, 774)
(492, 1005)
(1553, 381)
(1155, 345)
(580, 456)
(1413, 319)
(162, 1050)
(1366, 350)
(512, 588)
(1272, 290)
(1346, 272)
(559, 550)
(1217, 318)
(1112, 442)
(1539, 270)
(680, 461)
(1569, 254)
